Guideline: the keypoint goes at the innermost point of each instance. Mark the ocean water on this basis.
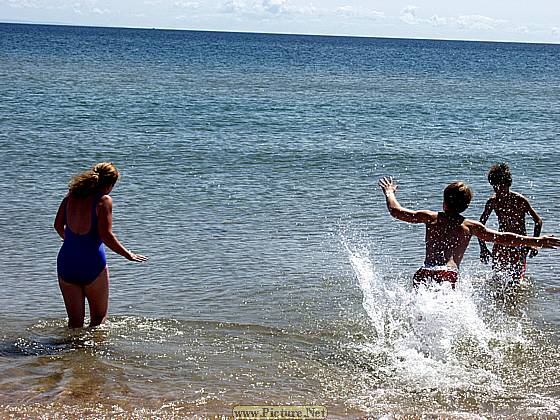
(249, 177)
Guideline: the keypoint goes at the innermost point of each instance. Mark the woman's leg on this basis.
(97, 294)
(74, 301)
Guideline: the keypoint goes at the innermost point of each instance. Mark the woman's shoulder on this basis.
(104, 200)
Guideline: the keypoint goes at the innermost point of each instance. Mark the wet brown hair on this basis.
(499, 174)
(99, 176)
(457, 197)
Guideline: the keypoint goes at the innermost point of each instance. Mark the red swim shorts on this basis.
(438, 274)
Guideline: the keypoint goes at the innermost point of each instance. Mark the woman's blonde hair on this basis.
(88, 182)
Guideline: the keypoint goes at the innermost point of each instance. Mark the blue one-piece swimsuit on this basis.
(81, 258)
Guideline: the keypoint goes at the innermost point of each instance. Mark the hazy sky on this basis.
(533, 21)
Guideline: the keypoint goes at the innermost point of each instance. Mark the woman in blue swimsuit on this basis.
(84, 222)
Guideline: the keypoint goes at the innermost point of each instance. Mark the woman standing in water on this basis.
(84, 222)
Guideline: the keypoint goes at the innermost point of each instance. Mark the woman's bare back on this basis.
(78, 214)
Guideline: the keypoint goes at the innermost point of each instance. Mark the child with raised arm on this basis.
(510, 208)
(448, 233)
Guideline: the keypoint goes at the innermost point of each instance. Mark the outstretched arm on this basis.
(485, 254)
(389, 188)
(105, 226)
(511, 239)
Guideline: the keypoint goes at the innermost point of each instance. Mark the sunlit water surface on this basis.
(276, 276)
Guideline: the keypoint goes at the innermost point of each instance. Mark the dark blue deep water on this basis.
(249, 177)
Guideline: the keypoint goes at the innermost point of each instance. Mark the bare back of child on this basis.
(447, 239)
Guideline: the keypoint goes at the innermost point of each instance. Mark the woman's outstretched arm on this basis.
(105, 226)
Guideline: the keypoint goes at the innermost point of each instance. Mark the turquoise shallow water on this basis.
(249, 166)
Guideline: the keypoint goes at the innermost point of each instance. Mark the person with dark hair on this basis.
(84, 222)
(511, 209)
(448, 233)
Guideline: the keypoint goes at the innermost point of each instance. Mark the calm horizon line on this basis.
(275, 33)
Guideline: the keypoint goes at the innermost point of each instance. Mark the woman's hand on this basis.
(136, 257)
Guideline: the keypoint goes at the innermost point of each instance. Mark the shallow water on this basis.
(276, 276)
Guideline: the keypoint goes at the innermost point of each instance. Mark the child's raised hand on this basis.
(388, 185)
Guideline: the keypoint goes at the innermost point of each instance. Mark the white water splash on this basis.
(432, 338)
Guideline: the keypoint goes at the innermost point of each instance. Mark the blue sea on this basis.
(276, 276)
